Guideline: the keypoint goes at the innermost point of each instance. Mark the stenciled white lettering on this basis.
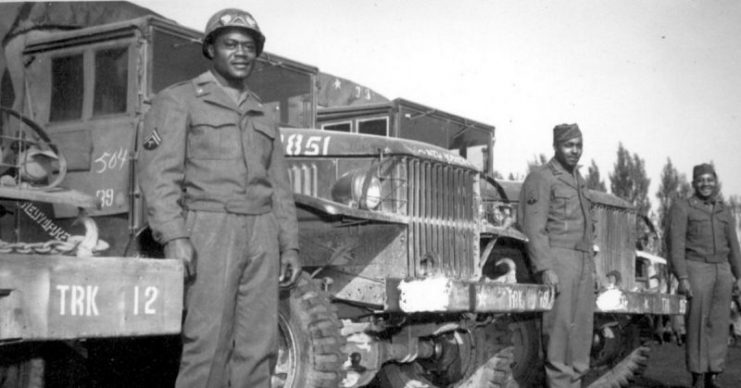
(46, 223)
(78, 300)
(62, 297)
(516, 299)
(150, 297)
(91, 306)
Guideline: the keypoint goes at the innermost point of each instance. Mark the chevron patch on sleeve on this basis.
(153, 140)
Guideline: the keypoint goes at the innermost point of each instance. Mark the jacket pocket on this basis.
(564, 202)
(214, 140)
(698, 224)
(262, 139)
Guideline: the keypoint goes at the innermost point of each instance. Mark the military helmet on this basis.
(232, 17)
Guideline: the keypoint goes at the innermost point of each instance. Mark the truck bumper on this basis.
(62, 297)
(449, 295)
(626, 302)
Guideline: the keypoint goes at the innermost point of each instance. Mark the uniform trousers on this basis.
(708, 316)
(567, 328)
(230, 329)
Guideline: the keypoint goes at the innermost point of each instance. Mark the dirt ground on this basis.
(666, 369)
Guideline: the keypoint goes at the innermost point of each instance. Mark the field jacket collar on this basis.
(564, 176)
(700, 204)
(207, 87)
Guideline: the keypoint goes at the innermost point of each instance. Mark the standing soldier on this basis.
(704, 251)
(218, 197)
(555, 216)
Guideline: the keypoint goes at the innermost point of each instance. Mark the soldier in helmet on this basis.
(705, 257)
(218, 197)
(555, 215)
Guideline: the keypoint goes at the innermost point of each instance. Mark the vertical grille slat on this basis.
(450, 215)
(416, 183)
(304, 178)
(442, 227)
(424, 207)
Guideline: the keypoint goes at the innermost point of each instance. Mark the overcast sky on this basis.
(661, 76)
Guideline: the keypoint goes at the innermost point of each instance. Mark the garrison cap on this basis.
(701, 169)
(564, 132)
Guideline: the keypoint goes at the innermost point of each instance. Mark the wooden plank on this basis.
(67, 297)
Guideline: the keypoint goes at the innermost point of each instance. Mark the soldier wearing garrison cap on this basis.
(554, 213)
(704, 255)
(218, 197)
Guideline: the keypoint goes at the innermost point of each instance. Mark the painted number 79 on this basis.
(105, 196)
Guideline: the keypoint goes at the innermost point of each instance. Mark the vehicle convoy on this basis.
(414, 272)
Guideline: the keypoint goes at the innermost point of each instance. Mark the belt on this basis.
(233, 206)
(707, 259)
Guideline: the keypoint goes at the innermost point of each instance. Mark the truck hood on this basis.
(314, 142)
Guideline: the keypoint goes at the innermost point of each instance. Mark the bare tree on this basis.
(594, 181)
(672, 185)
(538, 160)
(629, 180)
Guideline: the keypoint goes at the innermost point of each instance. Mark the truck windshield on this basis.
(66, 88)
(111, 81)
(287, 94)
(175, 59)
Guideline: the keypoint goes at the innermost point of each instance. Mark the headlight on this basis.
(372, 194)
(349, 190)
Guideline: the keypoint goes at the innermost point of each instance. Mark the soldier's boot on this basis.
(698, 380)
(711, 380)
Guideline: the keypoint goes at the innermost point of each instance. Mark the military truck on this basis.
(413, 271)
(632, 291)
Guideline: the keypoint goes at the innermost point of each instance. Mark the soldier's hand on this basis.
(549, 278)
(736, 293)
(182, 249)
(684, 288)
(290, 268)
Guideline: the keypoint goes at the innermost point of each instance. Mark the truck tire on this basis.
(22, 366)
(627, 360)
(621, 375)
(310, 343)
(39, 365)
(528, 364)
(23, 374)
(486, 363)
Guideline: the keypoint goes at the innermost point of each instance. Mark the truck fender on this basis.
(503, 253)
(338, 210)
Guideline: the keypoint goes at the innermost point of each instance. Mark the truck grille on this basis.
(439, 200)
(440, 205)
(303, 177)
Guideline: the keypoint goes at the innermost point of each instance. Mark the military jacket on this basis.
(704, 232)
(554, 211)
(201, 151)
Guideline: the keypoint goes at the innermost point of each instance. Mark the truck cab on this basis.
(90, 90)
